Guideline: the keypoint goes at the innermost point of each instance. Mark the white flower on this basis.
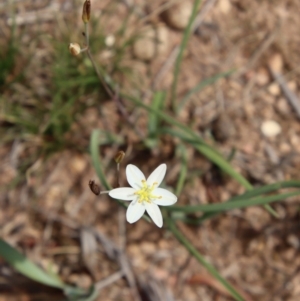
(144, 194)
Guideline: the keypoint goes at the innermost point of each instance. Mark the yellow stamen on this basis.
(145, 193)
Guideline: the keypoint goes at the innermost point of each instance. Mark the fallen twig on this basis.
(288, 93)
(109, 280)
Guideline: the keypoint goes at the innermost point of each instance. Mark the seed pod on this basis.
(119, 157)
(86, 11)
(74, 49)
(94, 187)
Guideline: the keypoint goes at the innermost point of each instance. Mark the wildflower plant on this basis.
(144, 194)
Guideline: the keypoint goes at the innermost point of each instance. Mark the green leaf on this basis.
(75, 294)
(204, 83)
(220, 207)
(28, 268)
(94, 150)
(245, 196)
(157, 104)
(210, 153)
(181, 238)
(183, 171)
(185, 38)
(154, 120)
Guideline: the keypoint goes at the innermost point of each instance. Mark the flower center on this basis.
(145, 193)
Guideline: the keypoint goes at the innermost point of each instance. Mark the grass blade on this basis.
(78, 295)
(202, 261)
(220, 207)
(183, 45)
(200, 86)
(28, 268)
(94, 150)
(247, 195)
(210, 153)
(183, 170)
(154, 120)
(157, 104)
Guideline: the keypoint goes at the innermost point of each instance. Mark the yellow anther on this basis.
(145, 193)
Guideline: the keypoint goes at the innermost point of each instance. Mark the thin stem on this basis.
(105, 192)
(87, 40)
(181, 238)
(183, 45)
(87, 36)
(107, 89)
(113, 94)
(118, 174)
(217, 207)
(183, 170)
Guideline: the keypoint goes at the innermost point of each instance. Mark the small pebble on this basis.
(110, 40)
(224, 6)
(152, 42)
(274, 89)
(179, 14)
(270, 128)
(284, 148)
(276, 62)
(292, 85)
(262, 77)
(283, 108)
(293, 240)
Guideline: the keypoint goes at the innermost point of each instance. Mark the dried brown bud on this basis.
(119, 157)
(94, 187)
(86, 11)
(74, 49)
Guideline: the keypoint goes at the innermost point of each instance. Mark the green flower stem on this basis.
(181, 238)
(183, 45)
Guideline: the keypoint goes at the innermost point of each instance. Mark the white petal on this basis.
(154, 212)
(134, 176)
(135, 211)
(123, 193)
(157, 175)
(167, 197)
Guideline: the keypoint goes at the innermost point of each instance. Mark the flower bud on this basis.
(86, 11)
(94, 187)
(119, 157)
(74, 49)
